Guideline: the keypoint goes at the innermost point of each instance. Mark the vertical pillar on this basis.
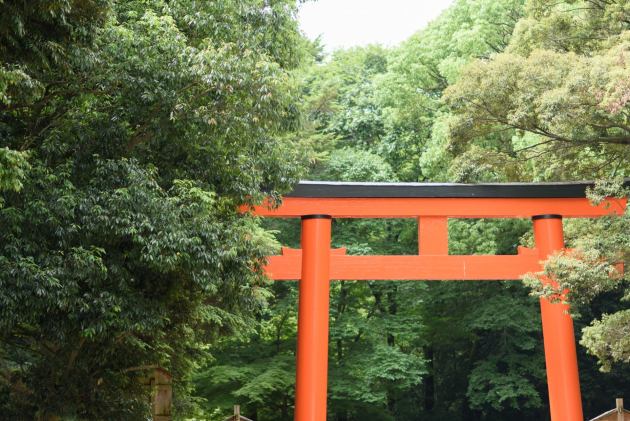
(560, 354)
(312, 344)
(432, 235)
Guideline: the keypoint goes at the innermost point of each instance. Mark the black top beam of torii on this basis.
(344, 189)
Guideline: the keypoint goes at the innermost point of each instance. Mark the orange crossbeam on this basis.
(295, 207)
(282, 268)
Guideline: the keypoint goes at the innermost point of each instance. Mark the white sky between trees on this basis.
(346, 23)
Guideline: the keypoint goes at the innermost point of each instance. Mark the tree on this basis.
(422, 67)
(39, 37)
(257, 370)
(556, 97)
(148, 126)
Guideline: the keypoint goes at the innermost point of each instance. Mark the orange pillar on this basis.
(432, 235)
(560, 354)
(312, 344)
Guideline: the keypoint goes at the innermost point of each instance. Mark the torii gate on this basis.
(315, 264)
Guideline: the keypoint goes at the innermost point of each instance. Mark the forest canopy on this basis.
(131, 133)
(135, 135)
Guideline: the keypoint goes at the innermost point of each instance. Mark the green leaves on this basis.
(12, 167)
(508, 376)
(561, 83)
(355, 165)
(127, 146)
(607, 339)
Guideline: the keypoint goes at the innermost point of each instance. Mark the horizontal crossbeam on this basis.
(411, 267)
(295, 207)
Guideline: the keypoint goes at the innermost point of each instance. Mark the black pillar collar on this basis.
(548, 216)
(316, 217)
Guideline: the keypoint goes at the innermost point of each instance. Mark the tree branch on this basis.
(51, 96)
(136, 138)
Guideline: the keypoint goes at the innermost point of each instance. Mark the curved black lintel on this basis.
(333, 189)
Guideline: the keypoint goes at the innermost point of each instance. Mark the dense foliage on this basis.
(131, 133)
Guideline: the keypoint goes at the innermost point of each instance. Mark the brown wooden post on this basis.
(620, 414)
(237, 413)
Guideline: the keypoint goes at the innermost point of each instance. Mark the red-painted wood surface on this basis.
(295, 207)
(432, 235)
(313, 302)
(560, 354)
(423, 267)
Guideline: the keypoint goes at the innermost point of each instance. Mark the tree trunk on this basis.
(429, 381)
(254, 414)
(467, 413)
(285, 408)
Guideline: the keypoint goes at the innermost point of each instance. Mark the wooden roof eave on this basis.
(609, 413)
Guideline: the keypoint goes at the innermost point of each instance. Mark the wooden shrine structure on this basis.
(315, 264)
(617, 414)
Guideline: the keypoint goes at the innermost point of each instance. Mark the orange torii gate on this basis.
(315, 264)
